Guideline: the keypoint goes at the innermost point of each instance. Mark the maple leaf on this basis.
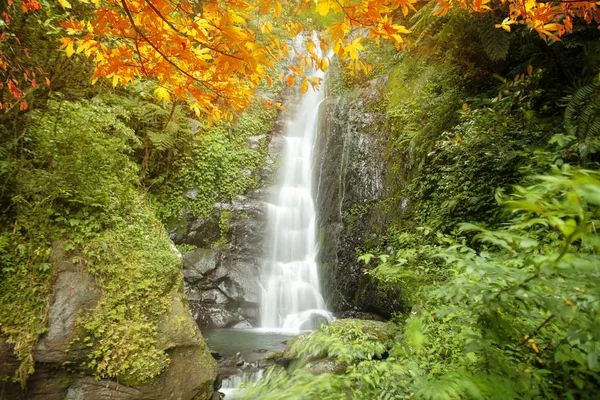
(162, 94)
(304, 86)
(64, 4)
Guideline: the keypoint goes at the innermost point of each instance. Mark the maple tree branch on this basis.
(137, 50)
(170, 24)
(349, 17)
(167, 59)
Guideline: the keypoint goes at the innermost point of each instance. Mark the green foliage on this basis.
(224, 221)
(137, 269)
(346, 340)
(219, 166)
(532, 290)
(582, 118)
(415, 265)
(70, 179)
(59, 184)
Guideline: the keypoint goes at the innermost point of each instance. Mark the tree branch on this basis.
(139, 31)
(170, 24)
(544, 322)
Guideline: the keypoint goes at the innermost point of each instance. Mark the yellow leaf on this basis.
(465, 106)
(64, 4)
(324, 65)
(162, 94)
(323, 8)
(533, 345)
(505, 27)
(290, 80)
(269, 81)
(296, 69)
(266, 27)
(304, 86)
(67, 44)
(552, 27)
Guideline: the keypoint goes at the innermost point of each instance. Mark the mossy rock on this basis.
(289, 352)
(382, 330)
(329, 365)
(364, 339)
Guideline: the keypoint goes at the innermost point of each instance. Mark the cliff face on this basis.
(222, 273)
(350, 175)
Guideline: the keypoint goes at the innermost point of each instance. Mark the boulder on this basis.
(224, 283)
(198, 263)
(58, 376)
(75, 291)
(327, 365)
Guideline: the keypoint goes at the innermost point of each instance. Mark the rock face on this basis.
(190, 375)
(222, 280)
(75, 290)
(350, 175)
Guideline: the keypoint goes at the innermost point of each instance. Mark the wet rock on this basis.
(239, 360)
(242, 325)
(327, 366)
(224, 283)
(198, 232)
(199, 262)
(349, 186)
(260, 350)
(213, 316)
(214, 296)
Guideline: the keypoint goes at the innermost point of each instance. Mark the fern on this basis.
(423, 18)
(582, 113)
(496, 42)
(162, 140)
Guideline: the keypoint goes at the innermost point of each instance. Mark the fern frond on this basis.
(582, 113)
(162, 141)
(423, 18)
(495, 42)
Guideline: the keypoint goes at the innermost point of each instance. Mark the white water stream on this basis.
(292, 299)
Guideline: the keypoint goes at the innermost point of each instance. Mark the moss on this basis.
(136, 269)
(219, 167)
(224, 226)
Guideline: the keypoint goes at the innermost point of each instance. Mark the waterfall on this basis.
(291, 298)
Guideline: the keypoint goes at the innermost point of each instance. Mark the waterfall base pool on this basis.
(252, 344)
(228, 342)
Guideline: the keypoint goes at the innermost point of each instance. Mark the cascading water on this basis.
(292, 299)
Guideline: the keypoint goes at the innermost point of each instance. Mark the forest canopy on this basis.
(215, 54)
